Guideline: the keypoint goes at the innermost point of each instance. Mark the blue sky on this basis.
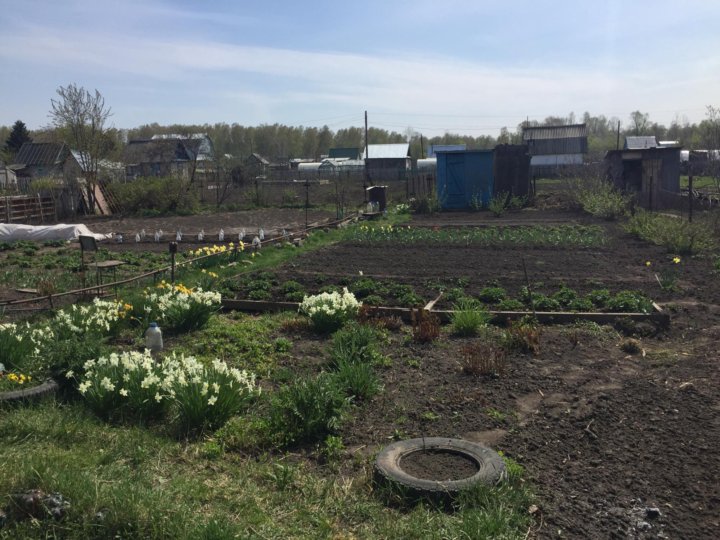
(461, 66)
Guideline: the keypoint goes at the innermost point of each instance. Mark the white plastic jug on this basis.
(153, 338)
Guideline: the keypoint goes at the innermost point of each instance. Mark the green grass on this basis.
(534, 235)
(136, 483)
(699, 182)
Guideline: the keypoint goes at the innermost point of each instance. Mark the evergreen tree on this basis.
(18, 136)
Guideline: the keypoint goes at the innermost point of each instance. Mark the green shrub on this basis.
(510, 304)
(426, 205)
(601, 199)
(580, 304)
(468, 317)
(373, 300)
(492, 295)
(366, 286)
(673, 233)
(291, 286)
(541, 302)
(259, 294)
(629, 302)
(259, 285)
(499, 203)
(565, 296)
(155, 196)
(307, 410)
(599, 297)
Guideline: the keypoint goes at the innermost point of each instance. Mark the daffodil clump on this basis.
(19, 343)
(102, 317)
(179, 308)
(329, 311)
(134, 385)
(223, 252)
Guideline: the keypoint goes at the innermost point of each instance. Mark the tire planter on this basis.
(389, 471)
(47, 388)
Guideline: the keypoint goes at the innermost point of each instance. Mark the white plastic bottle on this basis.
(153, 338)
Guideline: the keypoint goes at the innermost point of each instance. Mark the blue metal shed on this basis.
(462, 176)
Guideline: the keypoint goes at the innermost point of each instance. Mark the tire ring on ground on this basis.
(46, 388)
(491, 467)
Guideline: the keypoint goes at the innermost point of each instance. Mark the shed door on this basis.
(455, 181)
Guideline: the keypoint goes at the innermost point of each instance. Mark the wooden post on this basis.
(39, 200)
(690, 196)
(7, 209)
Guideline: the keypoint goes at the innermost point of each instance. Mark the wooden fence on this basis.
(28, 209)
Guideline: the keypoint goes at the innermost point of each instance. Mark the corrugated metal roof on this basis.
(555, 132)
(41, 154)
(638, 143)
(435, 148)
(350, 153)
(388, 151)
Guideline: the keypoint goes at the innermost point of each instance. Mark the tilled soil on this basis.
(616, 445)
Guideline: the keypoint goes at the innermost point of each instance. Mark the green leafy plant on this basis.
(499, 203)
(492, 295)
(307, 410)
(601, 199)
(673, 233)
(468, 317)
(629, 302)
(599, 297)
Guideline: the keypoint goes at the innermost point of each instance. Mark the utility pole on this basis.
(366, 176)
(617, 144)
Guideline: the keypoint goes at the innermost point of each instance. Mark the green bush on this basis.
(492, 295)
(499, 203)
(306, 410)
(601, 199)
(510, 304)
(155, 195)
(468, 317)
(629, 302)
(599, 297)
(565, 296)
(673, 233)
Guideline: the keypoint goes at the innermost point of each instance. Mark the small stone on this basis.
(652, 513)
(643, 526)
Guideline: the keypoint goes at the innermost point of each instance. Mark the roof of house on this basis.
(258, 158)
(388, 151)
(349, 153)
(555, 132)
(638, 143)
(435, 148)
(41, 154)
(155, 151)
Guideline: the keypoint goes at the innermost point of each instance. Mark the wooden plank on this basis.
(545, 317)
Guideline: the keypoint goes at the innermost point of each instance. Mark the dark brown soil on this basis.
(605, 437)
(440, 466)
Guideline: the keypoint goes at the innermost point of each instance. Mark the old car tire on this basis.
(44, 389)
(388, 469)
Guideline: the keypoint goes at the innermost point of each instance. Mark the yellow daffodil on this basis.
(676, 260)
(648, 263)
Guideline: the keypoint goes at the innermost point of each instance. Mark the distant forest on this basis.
(281, 141)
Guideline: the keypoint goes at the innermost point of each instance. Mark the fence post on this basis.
(690, 197)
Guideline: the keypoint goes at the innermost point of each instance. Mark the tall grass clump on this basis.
(673, 233)
(356, 343)
(306, 410)
(468, 317)
(356, 379)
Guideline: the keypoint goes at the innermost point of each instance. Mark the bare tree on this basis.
(639, 122)
(81, 116)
